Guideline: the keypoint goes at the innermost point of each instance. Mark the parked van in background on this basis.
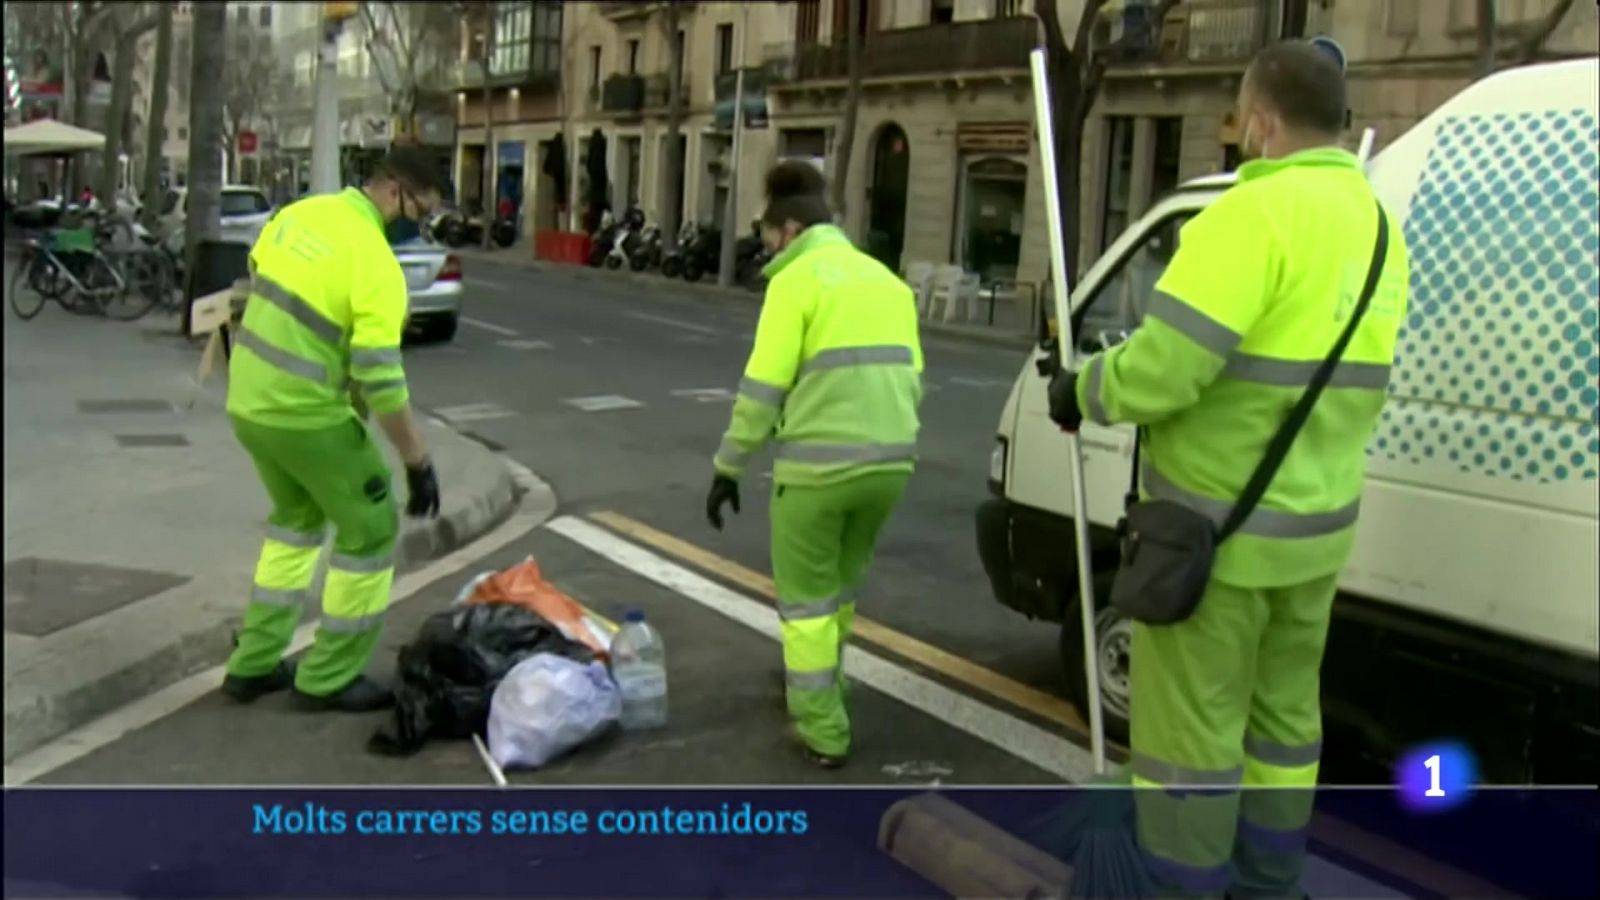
(1469, 607)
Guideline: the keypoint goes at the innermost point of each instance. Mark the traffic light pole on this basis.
(325, 113)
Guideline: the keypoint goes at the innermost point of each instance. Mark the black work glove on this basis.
(424, 484)
(724, 490)
(1064, 409)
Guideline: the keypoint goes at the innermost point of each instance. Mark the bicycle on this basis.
(66, 267)
(145, 265)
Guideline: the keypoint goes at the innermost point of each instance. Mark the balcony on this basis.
(633, 95)
(469, 75)
(625, 9)
(933, 50)
(1209, 33)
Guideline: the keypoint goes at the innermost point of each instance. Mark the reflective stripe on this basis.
(1169, 775)
(278, 596)
(1193, 324)
(1288, 756)
(378, 387)
(812, 681)
(297, 308)
(876, 355)
(1273, 840)
(1091, 391)
(1271, 523)
(729, 454)
(761, 392)
(847, 453)
(817, 609)
(298, 366)
(1201, 880)
(375, 356)
(294, 538)
(1297, 373)
(360, 565)
(351, 626)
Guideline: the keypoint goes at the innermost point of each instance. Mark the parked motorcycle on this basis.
(704, 254)
(648, 254)
(672, 262)
(627, 240)
(602, 240)
(750, 256)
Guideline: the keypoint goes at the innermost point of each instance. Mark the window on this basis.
(527, 38)
(724, 48)
(1119, 303)
(678, 48)
(633, 56)
(1402, 18)
(244, 16)
(1006, 9)
(942, 12)
(594, 66)
(1118, 181)
(265, 18)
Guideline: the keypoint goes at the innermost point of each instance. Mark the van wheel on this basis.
(1113, 640)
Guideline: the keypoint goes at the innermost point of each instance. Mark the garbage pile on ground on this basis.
(520, 663)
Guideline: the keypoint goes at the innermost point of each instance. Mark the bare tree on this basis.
(411, 47)
(1532, 44)
(125, 52)
(1075, 72)
(203, 221)
(156, 133)
(846, 141)
(671, 188)
(249, 84)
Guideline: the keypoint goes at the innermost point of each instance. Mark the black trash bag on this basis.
(448, 674)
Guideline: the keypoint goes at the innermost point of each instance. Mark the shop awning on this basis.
(46, 137)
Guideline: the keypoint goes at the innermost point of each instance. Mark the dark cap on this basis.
(414, 168)
(796, 191)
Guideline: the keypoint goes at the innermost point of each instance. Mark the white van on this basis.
(1469, 607)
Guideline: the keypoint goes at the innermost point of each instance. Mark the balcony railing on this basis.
(622, 94)
(1208, 32)
(933, 49)
(469, 75)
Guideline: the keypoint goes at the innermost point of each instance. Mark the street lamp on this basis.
(325, 112)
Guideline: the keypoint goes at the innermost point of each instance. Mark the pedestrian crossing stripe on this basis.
(705, 395)
(473, 412)
(525, 345)
(602, 403)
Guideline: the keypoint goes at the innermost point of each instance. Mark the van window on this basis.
(1119, 303)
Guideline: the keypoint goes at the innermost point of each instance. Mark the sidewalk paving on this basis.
(132, 519)
(521, 256)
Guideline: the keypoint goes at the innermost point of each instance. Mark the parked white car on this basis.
(433, 286)
(245, 211)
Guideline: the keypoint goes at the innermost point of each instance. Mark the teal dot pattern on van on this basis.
(1497, 371)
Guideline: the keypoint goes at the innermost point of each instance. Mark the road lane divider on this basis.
(955, 668)
(1040, 747)
(487, 326)
(674, 323)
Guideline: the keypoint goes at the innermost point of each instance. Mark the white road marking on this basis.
(982, 382)
(675, 323)
(473, 412)
(525, 345)
(119, 723)
(488, 326)
(706, 395)
(602, 403)
(693, 339)
(492, 285)
(1024, 740)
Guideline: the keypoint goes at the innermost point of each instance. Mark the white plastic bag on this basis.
(547, 705)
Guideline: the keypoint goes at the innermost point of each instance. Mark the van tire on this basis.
(1112, 633)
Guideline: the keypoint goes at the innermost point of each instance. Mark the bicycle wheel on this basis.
(26, 298)
(139, 292)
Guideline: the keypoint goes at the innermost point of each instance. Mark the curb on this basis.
(998, 337)
(51, 716)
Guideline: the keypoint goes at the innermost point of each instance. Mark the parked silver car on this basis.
(433, 282)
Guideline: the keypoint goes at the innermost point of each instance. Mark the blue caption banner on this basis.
(431, 843)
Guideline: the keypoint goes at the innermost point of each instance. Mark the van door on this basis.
(1108, 305)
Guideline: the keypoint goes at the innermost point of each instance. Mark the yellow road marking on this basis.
(1045, 706)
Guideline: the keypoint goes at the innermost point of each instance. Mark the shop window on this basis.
(942, 12)
(1118, 179)
(724, 48)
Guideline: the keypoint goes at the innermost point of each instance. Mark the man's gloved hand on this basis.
(724, 490)
(424, 485)
(1064, 409)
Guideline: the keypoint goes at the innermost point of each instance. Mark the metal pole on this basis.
(1068, 347)
(325, 114)
(1368, 138)
(730, 212)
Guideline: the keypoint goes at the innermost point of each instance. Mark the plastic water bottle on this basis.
(639, 666)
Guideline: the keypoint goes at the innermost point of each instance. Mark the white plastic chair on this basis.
(942, 295)
(919, 276)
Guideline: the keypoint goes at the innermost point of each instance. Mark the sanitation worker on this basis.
(835, 378)
(320, 336)
(1262, 285)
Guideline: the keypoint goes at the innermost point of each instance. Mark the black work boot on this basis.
(359, 696)
(250, 688)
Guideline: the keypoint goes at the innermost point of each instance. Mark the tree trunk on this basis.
(1073, 85)
(156, 133)
(844, 145)
(1530, 47)
(1486, 38)
(489, 200)
(116, 120)
(203, 221)
(671, 196)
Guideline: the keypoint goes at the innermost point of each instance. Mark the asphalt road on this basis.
(535, 347)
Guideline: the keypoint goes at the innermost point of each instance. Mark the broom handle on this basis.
(1068, 347)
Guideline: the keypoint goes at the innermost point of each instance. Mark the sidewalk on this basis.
(1008, 331)
(132, 520)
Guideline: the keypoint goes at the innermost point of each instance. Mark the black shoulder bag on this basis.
(1167, 548)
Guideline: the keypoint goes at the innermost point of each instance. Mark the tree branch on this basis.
(1529, 48)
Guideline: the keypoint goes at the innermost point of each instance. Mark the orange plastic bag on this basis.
(524, 585)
